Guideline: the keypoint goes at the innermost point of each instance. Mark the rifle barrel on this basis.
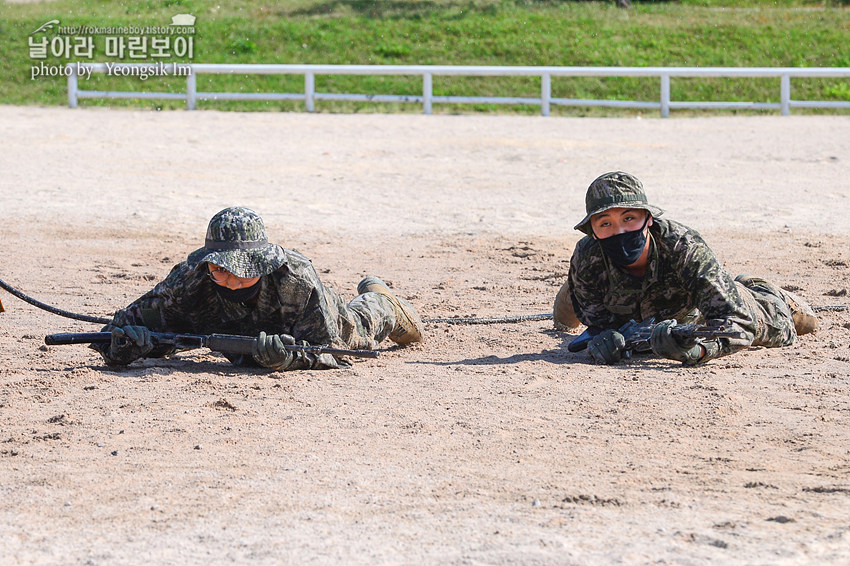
(78, 338)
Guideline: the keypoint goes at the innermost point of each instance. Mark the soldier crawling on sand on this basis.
(239, 283)
(634, 265)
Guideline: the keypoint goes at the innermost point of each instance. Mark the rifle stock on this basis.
(229, 343)
(582, 340)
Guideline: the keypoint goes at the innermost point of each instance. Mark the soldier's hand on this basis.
(666, 344)
(129, 343)
(269, 350)
(607, 347)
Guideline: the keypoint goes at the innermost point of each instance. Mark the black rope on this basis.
(833, 308)
(457, 320)
(547, 316)
(505, 319)
(54, 310)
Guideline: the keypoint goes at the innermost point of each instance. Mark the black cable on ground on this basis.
(505, 319)
(833, 308)
(54, 310)
(497, 320)
(548, 316)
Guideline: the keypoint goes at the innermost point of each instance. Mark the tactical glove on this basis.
(269, 351)
(129, 343)
(666, 344)
(607, 347)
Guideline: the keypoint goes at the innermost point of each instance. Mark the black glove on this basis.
(667, 345)
(269, 351)
(607, 347)
(129, 343)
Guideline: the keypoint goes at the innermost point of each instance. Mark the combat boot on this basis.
(408, 326)
(562, 312)
(804, 317)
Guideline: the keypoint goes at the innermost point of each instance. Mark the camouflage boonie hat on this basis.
(614, 190)
(236, 240)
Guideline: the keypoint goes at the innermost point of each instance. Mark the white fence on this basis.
(428, 72)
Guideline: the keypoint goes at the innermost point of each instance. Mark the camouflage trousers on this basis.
(365, 321)
(771, 311)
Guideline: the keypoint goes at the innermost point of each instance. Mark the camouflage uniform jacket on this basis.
(683, 281)
(292, 300)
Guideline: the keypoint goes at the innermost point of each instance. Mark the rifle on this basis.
(583, 339)
(637, 334)
(228, 343)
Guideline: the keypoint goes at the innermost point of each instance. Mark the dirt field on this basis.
(486, 444)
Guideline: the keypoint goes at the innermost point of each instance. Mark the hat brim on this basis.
(584, 225)
(242, 263)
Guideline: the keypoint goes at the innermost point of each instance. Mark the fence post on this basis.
(191, 89)
(785, 94)
(310, 91)
(72, 86)
(546, 93)
(665, 95)
(427, 92)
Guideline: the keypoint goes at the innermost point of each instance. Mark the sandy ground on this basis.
(486, 444)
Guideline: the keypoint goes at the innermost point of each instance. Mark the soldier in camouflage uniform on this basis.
(634, 265)
(239, 283)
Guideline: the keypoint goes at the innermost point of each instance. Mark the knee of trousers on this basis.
(772, 317)
(374, 315)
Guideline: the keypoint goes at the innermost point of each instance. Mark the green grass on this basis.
(703, 33)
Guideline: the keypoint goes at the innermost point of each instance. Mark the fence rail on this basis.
(428, 72)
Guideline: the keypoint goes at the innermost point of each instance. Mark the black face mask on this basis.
(624, 249)
(241, 295)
